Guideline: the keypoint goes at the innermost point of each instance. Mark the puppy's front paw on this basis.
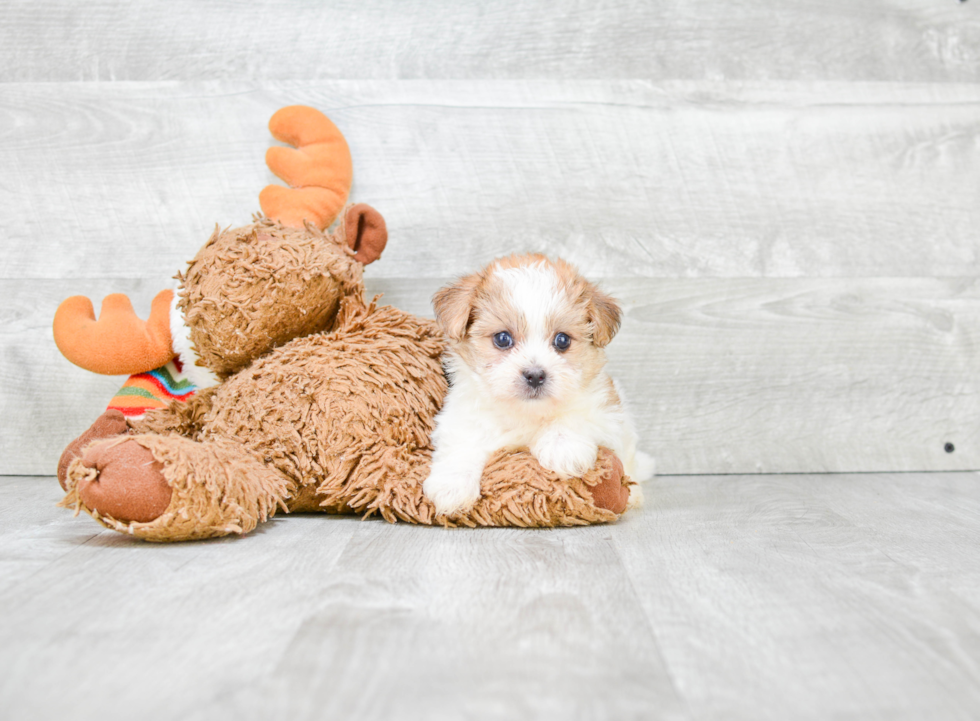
(567, 454)
(451, 491)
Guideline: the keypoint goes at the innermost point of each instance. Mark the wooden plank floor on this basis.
(726, 597)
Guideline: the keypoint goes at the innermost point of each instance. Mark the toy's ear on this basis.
(604, 314)
(454, 306)
(118, 343)
(318, 169)
(365, 232)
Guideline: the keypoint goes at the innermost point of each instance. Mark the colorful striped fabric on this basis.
(154, 389)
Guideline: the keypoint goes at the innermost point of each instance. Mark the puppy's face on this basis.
(529, 328)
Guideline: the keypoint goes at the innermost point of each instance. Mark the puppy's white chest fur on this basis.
(564, 436)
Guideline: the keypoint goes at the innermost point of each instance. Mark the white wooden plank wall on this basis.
(886, 40)
(628, 177)
(784, 196)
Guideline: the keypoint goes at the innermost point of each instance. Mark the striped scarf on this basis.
(154, 389)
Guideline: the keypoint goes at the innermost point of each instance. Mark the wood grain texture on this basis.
(814, 597)
(625, 178)
(879, 40)
(150, 627)
(322, 617)
(803, 375)
(725, 598)
(722, 375)
(503, 625)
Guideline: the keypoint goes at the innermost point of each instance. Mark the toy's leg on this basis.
(517, 491)
(169, 488)
(109, 424)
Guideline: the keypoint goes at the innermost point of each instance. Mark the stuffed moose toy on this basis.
(267, 381)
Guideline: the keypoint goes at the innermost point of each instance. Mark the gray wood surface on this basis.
(798, 375)
(722, 375)
(725, 597)
(626, 178)
(920, 40)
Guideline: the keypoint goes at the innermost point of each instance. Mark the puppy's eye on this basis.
(503, 340)
(562, 342)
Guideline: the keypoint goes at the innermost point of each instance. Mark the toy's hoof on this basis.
(109, 424)
(610, 493)
(129, 486)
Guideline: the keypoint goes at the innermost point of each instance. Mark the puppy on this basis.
(525, 357)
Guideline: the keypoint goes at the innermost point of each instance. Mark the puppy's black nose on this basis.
(535, 377)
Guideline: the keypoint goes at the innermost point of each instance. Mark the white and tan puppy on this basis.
(525, 358)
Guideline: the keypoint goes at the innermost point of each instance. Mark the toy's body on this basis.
(303, 427)
(312, 398)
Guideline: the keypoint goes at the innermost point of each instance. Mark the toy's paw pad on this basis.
(128, 483)
(110, 424)
(450, 491)
(565, 453)
(610, 493)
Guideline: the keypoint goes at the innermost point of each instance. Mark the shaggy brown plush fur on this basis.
(376, 377)
(250, 289)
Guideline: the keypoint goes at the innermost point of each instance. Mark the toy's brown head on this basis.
(253, 288)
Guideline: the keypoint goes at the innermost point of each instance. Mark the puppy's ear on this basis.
(604, 314)
(454, 306)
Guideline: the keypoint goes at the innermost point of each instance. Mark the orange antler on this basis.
(118, 343)
(318, 170)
